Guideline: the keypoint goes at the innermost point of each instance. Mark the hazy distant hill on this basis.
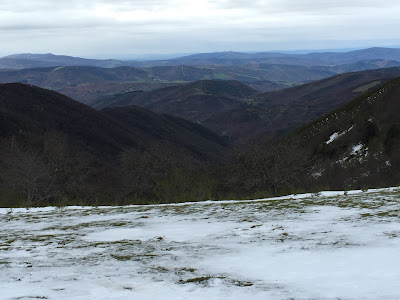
(20, 61)
(86, 83)
(357, 55)
(311, 59)
(29, 60)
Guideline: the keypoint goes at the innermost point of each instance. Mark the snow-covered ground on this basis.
(326, 246)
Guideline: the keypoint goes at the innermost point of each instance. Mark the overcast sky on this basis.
(121, 28)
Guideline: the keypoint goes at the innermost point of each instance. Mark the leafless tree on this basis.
(264, 165)
(143, 169)
(26, 173)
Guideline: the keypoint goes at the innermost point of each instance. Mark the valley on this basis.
(161, 134)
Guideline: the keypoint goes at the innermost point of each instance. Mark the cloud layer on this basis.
(127, 27)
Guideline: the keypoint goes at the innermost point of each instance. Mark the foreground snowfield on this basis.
(327, 246)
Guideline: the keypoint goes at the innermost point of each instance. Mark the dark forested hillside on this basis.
(195, 101)
(65, 149)
(235, 110)
(354, 146)
(357, 144)
(54, 150)
(288, 109)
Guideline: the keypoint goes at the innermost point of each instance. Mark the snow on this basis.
(356, 149)
(333, 137)
(336, 135)
(329, 245)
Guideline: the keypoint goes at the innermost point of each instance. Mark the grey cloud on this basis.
(52, 5)
(288, 6)
(63, 27)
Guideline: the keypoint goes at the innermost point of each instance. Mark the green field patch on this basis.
(246, 76)
(366, 87)
(201, 92)
(221, 76)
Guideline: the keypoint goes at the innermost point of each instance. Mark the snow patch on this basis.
(358, 152)
(336, 135)
(357, 149)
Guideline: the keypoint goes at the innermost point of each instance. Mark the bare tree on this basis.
(263, 165)
(143, 169)
(26, 173)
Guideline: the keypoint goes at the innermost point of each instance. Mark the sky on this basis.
(127, 28)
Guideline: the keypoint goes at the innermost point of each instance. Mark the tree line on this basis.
(48, 170)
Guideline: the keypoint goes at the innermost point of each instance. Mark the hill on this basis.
(88, 83)
(84, 83)
(352, 147)
(310, 59)
(54, 148)
(195, 101)
(235, 110)
(357, 55)
(229, 58)
(288, 109)
(30, 60)
(30, 110)
(357, 144)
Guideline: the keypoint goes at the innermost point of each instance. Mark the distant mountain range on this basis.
(23, 61)
(226, 99)
(29, 60)
(88, 83)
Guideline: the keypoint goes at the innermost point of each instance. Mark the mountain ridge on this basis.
(226, 58)
(239, 116)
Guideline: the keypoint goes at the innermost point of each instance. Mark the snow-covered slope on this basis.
(315, 246)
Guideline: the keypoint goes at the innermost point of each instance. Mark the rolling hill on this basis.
(30, 60)
(310, 59)
(288, 109)
(228, 58)
(357, 55)
(195, 101)
(237, 111)
(87, 83)
(55, 150)
(357, 144)
(84, 83)
(31, 111)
